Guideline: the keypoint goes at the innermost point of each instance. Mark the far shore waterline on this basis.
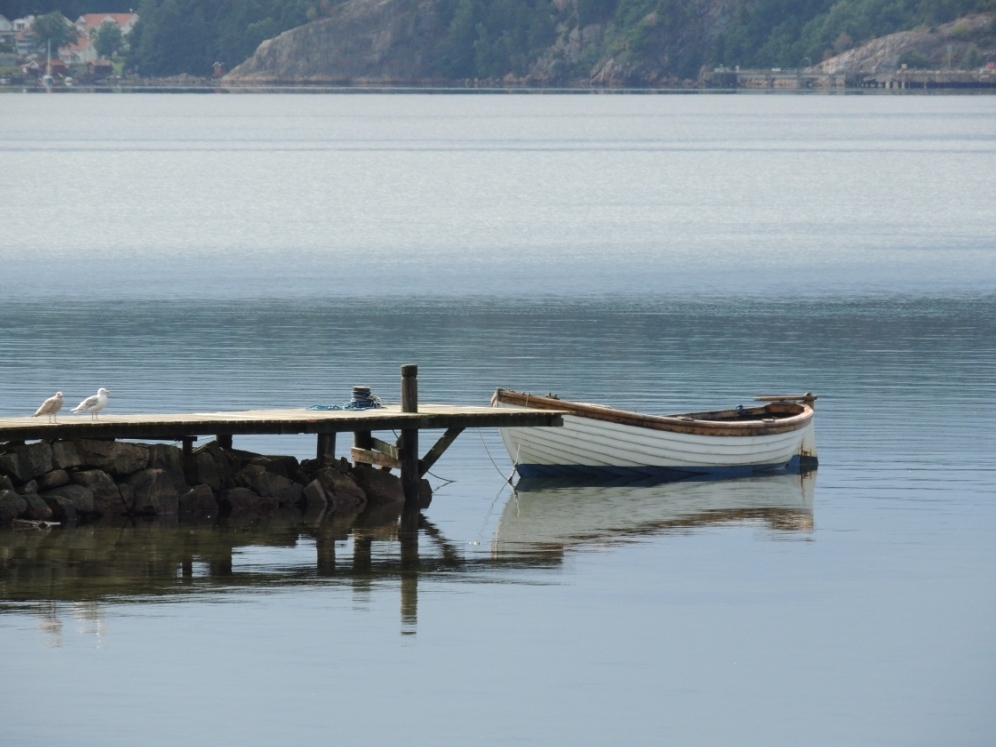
(321, 88)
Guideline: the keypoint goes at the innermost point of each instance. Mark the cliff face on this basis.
(937, 48)
(394, 42)
(364, 41)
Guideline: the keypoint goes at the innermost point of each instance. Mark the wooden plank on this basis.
(432, 456)
(385, 448)
(267, 422)
(376, 458)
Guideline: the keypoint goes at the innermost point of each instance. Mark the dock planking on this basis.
(177, 426)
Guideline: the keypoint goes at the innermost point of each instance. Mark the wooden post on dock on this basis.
(409, 436)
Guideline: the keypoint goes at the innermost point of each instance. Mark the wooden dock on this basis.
(408, 418)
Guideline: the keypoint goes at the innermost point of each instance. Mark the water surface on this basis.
(656, 253)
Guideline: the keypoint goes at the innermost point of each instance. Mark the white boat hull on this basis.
(599, 447)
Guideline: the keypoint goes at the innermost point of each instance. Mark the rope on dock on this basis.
(362, 399)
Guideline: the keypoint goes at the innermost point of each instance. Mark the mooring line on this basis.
(497, 468)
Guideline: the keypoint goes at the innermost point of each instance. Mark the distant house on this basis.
(25, 41)
(87, 26)
(6, 29)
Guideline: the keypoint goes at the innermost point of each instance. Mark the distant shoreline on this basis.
(496, 90)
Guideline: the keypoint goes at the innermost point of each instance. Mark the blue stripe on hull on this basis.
(663, 474)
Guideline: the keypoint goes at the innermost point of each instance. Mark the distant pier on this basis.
(802, 79)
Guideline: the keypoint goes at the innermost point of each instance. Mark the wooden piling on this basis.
(326, 448)
(409, 436)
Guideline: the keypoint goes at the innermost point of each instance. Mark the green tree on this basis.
(55, 29)
(108, 40)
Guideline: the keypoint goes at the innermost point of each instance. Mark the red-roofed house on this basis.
(83, 50)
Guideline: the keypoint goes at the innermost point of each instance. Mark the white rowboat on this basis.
(602, 441)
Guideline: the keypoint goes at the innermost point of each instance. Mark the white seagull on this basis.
(93, 404)
(50, 407)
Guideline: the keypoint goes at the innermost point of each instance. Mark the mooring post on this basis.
(409, 436)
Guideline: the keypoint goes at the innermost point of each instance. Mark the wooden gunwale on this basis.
(786, 416)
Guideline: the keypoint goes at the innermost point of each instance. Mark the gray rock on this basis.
(285, 466)
(380, 486)
(27, 461)
(314, 496)
(63, 509)
(6, 483)
(82, 497)
(246, 476)
(31, 486)
(127, 496)
(113, 457)
(341, 491)
(106, 496)
(12, 506)
(225, 465)
(55, 479)
(154, 492)
(270, 485)
(206, 470)
(242, 502)
(169, 458)
(65, 455)
(198, 502)
(37, 509)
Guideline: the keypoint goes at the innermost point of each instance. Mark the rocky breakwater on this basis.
(80, 481)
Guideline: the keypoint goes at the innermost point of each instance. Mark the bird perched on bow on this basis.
(50, 407)
(94, 403)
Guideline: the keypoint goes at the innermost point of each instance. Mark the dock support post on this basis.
(189, 465)
(409, 436)
(326, 447)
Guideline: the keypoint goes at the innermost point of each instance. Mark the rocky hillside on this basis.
(364, 41)
(612, 43)
(411, 42)
(964, 43)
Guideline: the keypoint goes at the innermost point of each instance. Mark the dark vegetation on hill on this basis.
(540, 41)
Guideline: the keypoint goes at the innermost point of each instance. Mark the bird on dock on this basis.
(50, 407)
(93, 404)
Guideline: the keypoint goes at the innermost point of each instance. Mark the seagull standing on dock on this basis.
(94, 403)
(50, 407)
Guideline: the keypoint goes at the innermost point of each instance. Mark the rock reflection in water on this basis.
(551, 515)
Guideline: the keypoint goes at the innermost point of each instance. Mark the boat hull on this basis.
(601, 448)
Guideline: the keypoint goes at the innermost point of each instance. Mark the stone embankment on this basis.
(80, 481)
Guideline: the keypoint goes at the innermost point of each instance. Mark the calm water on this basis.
(657, 253)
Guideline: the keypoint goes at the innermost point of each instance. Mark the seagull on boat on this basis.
(50, 407)
(94, 403)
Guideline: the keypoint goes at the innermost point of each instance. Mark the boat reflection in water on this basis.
(554, 514)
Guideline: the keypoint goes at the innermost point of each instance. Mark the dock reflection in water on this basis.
(551, 515)
(57, 572)
(54, 572)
